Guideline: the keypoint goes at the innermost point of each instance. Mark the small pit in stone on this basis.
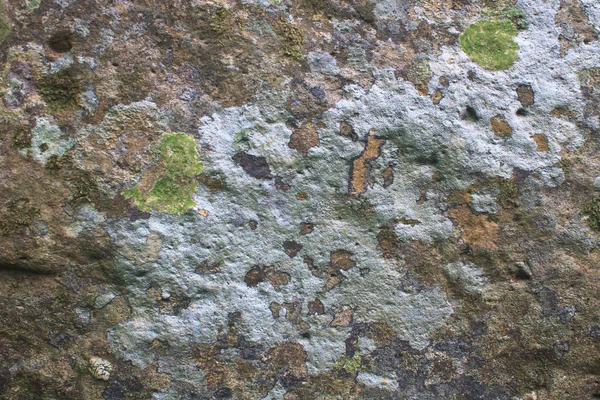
(470, 114)
(60, 42)
(522, 112)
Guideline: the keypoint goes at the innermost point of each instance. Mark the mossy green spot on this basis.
(172, 192)
(352, 365)
(591, 210)
(490, 43)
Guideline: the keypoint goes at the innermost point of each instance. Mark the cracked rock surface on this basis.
(289, 200)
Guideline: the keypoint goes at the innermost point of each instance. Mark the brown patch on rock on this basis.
(258, 274)
(288, 363)
(388, 176)
(461, 197)
(340, 259)
(542, 142)
(294, 314)
(291, 248)
(560, 112)
(389, 242)
(478, 230)
(213, 184)
(306, 228)
(302, 196)
(208, 267)
(343, 316)
(347, 130)
(525, 95)
(381, 333)
(275, 309)
(359, 171)
(316, 307)
(501, 127)
(575, 25)
(254, 166)
(304, 138)
(437, 96)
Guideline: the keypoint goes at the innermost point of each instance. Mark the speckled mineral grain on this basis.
(300, 200)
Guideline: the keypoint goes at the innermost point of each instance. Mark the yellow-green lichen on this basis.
(490, 43)
(352, 365)
(591, 210)
(293, 39)
(173, 190)
(508, 13)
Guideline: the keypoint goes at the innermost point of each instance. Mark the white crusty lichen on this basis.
(100, 368)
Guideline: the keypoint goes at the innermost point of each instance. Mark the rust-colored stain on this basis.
(478, 230)
(359, 172)
(542, 142)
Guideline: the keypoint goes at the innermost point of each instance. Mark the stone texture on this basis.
(299, 199)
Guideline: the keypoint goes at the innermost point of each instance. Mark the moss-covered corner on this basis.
(173, 189)
(490, 43)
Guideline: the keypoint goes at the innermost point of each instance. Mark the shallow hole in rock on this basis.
(521, 112)
(470, 114)
(60, 42)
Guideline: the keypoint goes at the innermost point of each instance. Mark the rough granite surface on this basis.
(310, 199)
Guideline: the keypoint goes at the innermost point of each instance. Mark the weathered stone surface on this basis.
(392, 199)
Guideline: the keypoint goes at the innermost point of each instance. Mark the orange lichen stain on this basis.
(478, 230)
(541, 141)
(359, 170)
(203, 213)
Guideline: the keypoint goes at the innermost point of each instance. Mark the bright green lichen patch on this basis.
(173, 190)
(351, 365)
(490, 43)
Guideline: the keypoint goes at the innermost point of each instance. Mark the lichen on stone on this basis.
(490, 43)
(175, 183)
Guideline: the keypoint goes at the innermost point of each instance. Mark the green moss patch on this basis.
(490, 43)
(293, 39)
(591, 210)
(59, 90)
(172, 190)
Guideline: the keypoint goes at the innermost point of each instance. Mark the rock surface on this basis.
(312, 199)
